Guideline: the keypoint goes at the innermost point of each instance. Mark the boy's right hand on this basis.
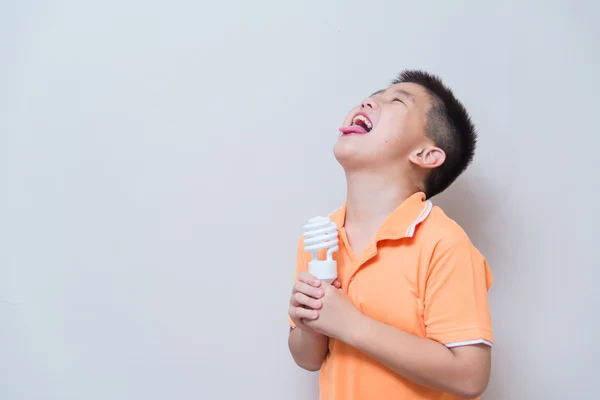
(306, 299)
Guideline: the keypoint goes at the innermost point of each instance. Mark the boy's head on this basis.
(415, 127)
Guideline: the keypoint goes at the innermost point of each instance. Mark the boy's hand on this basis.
(306, 300)
(337, 315)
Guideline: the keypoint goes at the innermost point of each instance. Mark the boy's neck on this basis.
(372, 197)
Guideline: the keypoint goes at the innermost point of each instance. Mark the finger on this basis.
(309, 279)
(304, 313)
(300, 299)
(301, 287)
(337, 283)
(307, 327)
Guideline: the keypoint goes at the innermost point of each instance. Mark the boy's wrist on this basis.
(358, 330)
(309, 333)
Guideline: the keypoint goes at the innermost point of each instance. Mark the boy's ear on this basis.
(428, 157)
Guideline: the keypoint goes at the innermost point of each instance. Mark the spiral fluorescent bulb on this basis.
(321, 233)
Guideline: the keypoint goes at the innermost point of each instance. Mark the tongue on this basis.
(353, 129)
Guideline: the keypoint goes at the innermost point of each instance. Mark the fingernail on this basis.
(316, 282)
(319, 293)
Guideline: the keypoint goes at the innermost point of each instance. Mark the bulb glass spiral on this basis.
(321, 233)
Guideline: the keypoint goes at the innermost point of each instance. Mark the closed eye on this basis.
(399, 101)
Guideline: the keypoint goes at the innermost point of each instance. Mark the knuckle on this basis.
(298, 297)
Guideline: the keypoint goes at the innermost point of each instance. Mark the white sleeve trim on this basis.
(468, 343)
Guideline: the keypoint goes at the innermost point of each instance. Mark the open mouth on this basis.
(362, 121)
(361, 124)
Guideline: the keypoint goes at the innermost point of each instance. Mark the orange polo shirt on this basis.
(420, 274)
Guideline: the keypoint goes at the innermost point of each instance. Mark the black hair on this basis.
(448, 125)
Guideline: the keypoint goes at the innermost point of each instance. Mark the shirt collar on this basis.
(401, 223)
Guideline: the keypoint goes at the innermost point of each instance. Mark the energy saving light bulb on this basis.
(321, 233)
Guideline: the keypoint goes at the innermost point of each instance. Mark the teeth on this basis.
(363, 119)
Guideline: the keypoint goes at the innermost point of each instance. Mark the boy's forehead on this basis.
(408, 88)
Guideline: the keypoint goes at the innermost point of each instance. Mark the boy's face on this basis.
(386, 129)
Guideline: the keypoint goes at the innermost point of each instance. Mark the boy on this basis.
(408, 316)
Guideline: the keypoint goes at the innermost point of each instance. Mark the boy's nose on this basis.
(368, 103)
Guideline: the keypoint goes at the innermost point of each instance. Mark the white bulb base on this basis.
(325, 270)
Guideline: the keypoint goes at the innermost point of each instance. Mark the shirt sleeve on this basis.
(456, 308)
(301, 266)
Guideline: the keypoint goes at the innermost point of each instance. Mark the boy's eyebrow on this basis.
(398, 91)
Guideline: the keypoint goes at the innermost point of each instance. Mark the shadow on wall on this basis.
(472, 203)
(478, 207)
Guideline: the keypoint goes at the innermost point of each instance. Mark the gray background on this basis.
(158, 160)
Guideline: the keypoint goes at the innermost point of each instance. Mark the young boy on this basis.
(408, 316)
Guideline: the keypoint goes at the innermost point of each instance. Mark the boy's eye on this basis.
(398, 100)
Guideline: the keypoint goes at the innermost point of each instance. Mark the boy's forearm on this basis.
(421, 360)
(308, 349)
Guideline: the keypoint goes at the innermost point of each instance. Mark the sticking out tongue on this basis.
(346, 130)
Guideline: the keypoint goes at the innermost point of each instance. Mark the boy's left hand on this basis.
(338, 315)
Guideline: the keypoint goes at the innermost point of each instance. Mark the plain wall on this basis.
(158, 159)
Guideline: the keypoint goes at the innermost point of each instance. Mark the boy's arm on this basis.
(309, 349)
(461, 371)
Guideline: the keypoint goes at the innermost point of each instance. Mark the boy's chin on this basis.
(351, 156)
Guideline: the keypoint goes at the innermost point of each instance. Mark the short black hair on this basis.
(448, 125)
